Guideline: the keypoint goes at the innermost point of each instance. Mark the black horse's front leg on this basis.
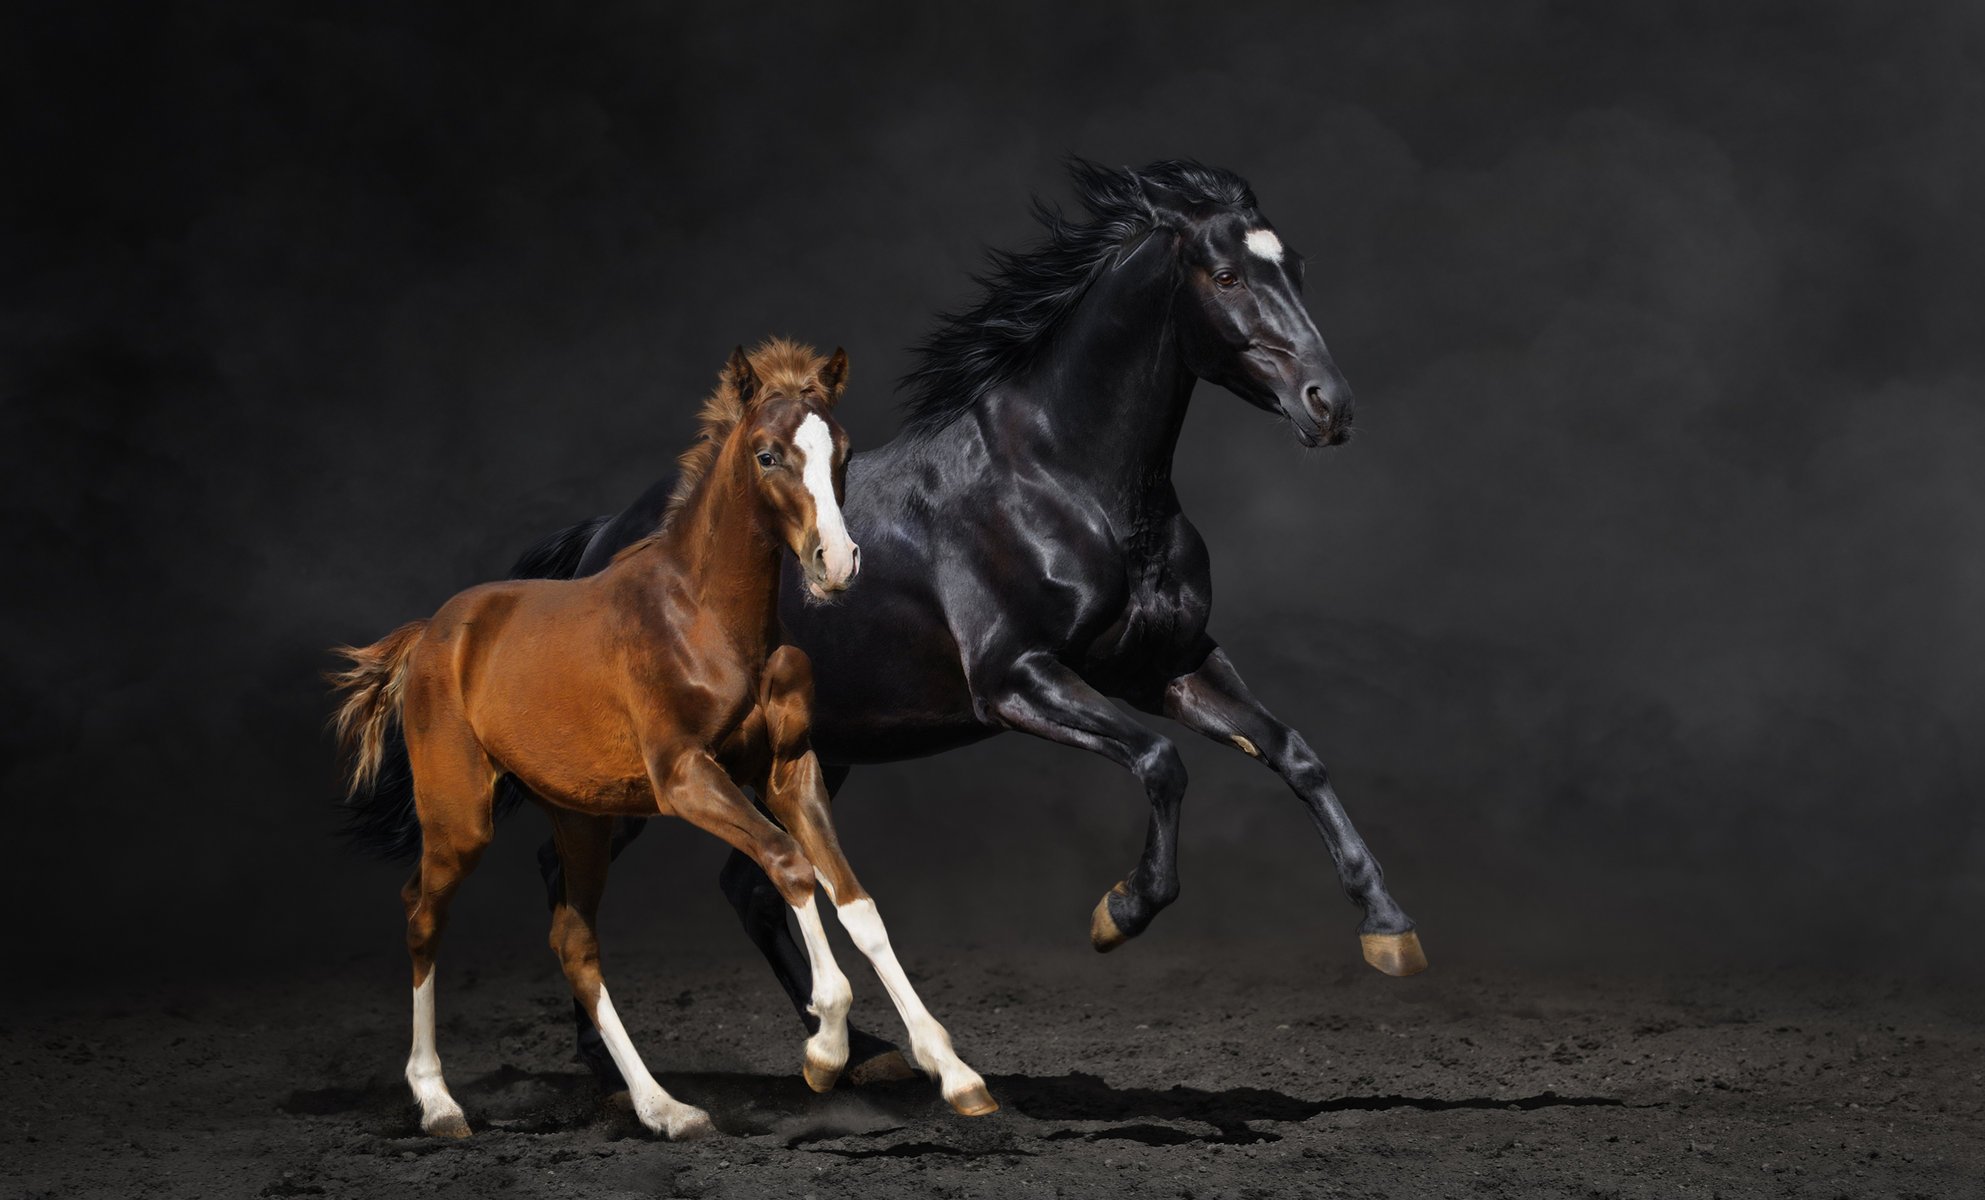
(1213, 700)
(1041, 696)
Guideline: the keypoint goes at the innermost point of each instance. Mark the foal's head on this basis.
(796, 454)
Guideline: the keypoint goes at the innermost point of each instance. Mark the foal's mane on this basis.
(1025, 294)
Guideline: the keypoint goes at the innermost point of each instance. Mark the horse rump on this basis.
(379, 804)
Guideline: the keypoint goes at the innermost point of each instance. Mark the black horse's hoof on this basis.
(1395, 954)
(872, 1060)
(887, 1067)
(1111, 925)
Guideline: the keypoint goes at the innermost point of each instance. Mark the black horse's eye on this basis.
(1225, 278)
(767, 459)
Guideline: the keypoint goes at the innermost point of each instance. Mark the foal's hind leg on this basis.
(583, 842)
(591, 1047)
(453, 794)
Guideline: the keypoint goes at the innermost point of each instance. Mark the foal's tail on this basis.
(381, 817)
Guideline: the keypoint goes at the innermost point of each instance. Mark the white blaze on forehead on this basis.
(1264, 244)
(816, 447)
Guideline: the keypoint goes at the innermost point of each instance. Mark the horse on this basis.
(658, 686)
(1035, 463)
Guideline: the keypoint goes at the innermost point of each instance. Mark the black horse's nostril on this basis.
(1320, 407)
(858, 562)
(1331, 409)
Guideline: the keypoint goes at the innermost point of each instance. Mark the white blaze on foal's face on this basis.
(1263, 243)
(815, 443)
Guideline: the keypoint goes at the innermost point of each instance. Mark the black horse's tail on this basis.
(379, 812)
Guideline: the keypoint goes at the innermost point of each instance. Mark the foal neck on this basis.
(724, 545)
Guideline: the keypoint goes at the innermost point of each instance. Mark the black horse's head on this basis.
(1234, 292)
(1239, 305)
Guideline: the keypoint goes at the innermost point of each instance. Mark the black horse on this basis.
(1025, 558)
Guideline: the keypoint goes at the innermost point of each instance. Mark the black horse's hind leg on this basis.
(592, 1048)
(1041, 696)
(1213, 700)
(763, 913)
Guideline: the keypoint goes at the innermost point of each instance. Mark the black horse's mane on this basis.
(1025, 294)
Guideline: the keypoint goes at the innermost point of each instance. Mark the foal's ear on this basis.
(834, 376)
(741, 378)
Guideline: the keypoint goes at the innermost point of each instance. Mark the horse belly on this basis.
(561, 733)
(574, 762)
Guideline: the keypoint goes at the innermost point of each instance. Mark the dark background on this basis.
(1639, 624)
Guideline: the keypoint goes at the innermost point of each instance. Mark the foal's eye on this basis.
(1225, 278)
(767, 459)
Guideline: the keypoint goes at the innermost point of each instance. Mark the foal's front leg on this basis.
(1213, 699)
(797, 796)
(702, 793)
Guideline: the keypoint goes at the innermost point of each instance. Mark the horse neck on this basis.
(723, 545)
(1110, 391)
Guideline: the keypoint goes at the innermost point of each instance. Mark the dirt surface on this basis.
(1219, 1074)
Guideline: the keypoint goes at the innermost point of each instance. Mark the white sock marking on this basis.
(816, 445)
(930, 1045)
(832, 997)
(424, 1063)
(1264, 244)
(658, 1110)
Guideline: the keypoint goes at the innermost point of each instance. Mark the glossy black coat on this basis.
(1025, 557)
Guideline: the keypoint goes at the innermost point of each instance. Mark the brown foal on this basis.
(656, 686)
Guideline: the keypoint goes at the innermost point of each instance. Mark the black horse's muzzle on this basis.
(1329, 406)
(1322, 412)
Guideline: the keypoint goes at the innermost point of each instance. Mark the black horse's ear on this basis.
(1167, 206)
(834, 376)
(742, 379)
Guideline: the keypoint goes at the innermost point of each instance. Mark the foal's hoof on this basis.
(688, 1126)
(1104, 932)
(447, 1125)
(820, 1076)
(974, 1101)
(1394, 953)
(887, 1067)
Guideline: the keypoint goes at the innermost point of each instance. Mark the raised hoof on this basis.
(1104, 932)
(887, 1067)
(820, 1076)
(973, 1102)
(1396, 954)
(447, 1125)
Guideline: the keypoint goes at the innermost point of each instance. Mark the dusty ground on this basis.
(1217, 1074)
